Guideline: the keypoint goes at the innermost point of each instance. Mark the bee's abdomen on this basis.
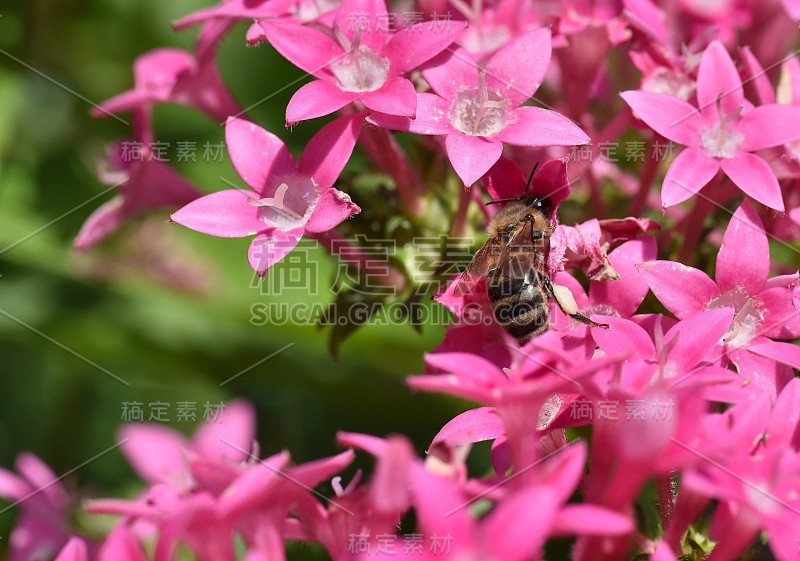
(519, 305)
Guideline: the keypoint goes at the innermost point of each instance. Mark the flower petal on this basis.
(120, 544)
(782, 316)
(472, 156)
(583, 519)
(669, 116)
(412, 46)
(102, 222)
(225, 439)
(535, 126)
(329, 150)
(756, 75)
(691, 170)
(256, 154)
(717, 77)
(515, 81)
(155, 452)
(505, 180)
(753, 175)
(396, 97)
(74, 550)
(316, 99)
(696, 337)
(626, 294)
(270, 247)
(431, 118)
(648, 18)
(682, 290)
(333, 208)
(451, 71)
(475, 425)
(764, 373)
(518, 531)
(624, 336)
(254, 487)
(785, 417)
(368, 17)
(227, 214)
(467, 366)
(743, 258)
(769, 125)
(126, 101)
(785, 353)
(305, 47)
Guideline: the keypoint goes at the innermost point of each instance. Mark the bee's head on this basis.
(542, 204)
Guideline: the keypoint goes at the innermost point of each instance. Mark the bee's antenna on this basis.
(530, 178)
(502, 201)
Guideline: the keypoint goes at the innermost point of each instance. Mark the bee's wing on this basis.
(525, 252)
(487, 257)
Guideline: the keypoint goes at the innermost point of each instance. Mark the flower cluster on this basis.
(651, 376)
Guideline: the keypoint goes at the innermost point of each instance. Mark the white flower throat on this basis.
(478, 111)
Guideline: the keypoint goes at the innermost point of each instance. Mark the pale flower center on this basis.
(721, 140)
(308, 10)
(479, 112)
(747, 318)
(360, 69)
(670, 82)
(290, 206)
(601, 310)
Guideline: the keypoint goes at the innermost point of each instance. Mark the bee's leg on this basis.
(566, 301)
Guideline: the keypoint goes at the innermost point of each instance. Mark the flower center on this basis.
(479, 112)
(747, 319)
(360, 69)
(667, 81)
(309, 10)
(289, 207)
(721, 140)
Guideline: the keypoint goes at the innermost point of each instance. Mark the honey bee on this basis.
(513, 261)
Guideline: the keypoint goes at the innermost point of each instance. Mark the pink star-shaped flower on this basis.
(303, 10)
(144, 183)
(364, 63)
(478, 107)
(42, 526)
(287, 199)
(722, 133)
(763, 306)
(175, 76)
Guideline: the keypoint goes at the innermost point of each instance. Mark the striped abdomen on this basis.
(519, 303)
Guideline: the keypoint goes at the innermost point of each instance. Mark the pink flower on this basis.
(756, 491)
(119, 545)
(42, 528)
(763, 307)
(478, 107)
(74, 550)
(160, 454)
(144, 183)
(492, 26)
(364, 63)
(529, 394)
(722, 133)
(586, 245)
(620, 297)
(175, 76)
(513, 531)
(288, 199)
(302, 10)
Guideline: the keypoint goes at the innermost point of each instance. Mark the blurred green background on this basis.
(124, 306)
